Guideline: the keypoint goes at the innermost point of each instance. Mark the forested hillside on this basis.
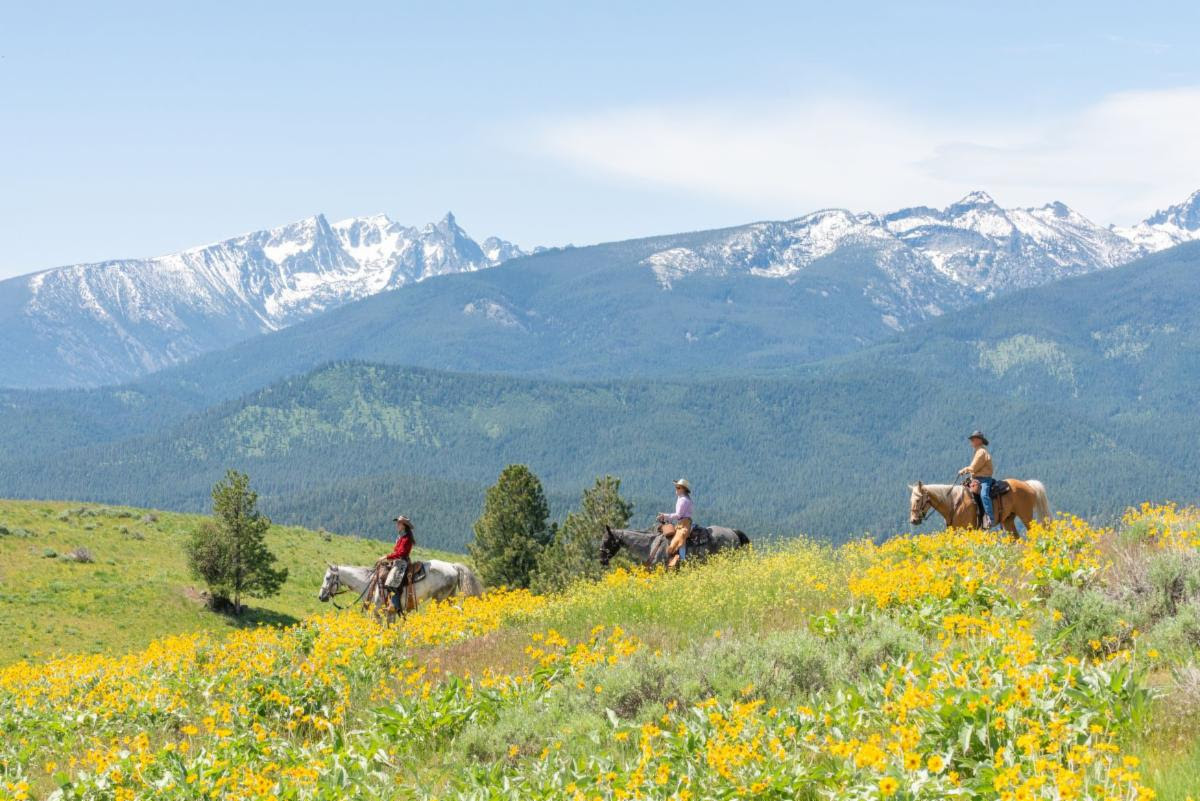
(1088, 384)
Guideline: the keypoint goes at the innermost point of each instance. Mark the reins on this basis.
(342, 589)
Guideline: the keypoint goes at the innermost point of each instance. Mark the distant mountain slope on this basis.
(105, 323)
(1088, 384)
(760, 297)
(764, 295)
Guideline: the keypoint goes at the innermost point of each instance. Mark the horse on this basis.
(442, 580)
(1026, 501)
(650, 546)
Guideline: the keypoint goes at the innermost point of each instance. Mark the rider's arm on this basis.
(977, 463)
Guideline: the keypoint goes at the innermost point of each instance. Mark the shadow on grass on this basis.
(252, 617)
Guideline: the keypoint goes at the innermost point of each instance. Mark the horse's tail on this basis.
(468, 583)
(1041, 502)
(742, 538)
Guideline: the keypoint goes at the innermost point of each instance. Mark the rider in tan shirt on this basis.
(981, 464)
(981, 468)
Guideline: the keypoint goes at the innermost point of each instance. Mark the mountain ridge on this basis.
(109, 321)
(849, 278)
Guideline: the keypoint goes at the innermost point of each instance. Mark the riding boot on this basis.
(987, 522)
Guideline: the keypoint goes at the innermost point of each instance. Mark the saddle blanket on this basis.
(416, 573)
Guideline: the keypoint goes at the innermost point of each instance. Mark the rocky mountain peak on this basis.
(1185, 215)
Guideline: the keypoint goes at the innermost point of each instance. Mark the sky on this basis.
(135, 129)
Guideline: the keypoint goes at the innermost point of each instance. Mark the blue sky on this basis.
(137, 129)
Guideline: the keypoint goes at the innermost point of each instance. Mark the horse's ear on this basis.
(920, 486)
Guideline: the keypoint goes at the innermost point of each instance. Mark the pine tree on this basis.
(513, 528)
(230, 553)
(574, 554)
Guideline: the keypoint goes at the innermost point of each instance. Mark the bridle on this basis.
(919, 513)
(339, 589)
(609, 547)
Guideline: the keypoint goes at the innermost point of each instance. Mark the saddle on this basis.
(699, 536)
(416, 572)
(388, 582)
(1000, 488)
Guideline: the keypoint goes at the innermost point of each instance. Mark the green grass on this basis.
(139, 587)
(1175, 776)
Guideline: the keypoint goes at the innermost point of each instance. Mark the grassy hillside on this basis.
(957, 665)
(138, 588)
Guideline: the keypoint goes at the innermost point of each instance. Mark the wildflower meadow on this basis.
(952, 665)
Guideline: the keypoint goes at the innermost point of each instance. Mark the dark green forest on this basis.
(1088, 384)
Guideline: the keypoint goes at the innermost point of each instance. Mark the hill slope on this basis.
(1087, 384)
(955, 665)
(139, 587)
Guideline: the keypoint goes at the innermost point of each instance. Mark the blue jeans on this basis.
(985, 494)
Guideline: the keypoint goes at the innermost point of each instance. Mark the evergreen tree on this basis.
(230, 552)
(513, 529)
(574, 553)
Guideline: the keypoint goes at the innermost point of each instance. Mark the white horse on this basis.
(442, 580)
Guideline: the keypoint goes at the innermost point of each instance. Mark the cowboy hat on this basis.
(683, 482)
(977, 434)
(402, 519)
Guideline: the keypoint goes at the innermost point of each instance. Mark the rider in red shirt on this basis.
(405, 542)
(399, 557)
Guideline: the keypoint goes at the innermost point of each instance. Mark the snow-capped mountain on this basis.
(1169, 227)
(868, 273)
(934, 258)
(109, 321)
(906, 286)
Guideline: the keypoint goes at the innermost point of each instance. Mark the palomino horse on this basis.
(442, 580)
(1026, 501)
(650, 547)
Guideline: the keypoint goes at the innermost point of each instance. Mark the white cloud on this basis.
(1115, 160)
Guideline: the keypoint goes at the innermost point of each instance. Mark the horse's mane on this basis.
(641, 539)
(949, 494)
(363, 571)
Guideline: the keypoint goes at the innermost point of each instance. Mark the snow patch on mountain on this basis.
(928, 260)
(1168, 227)
(493, 311)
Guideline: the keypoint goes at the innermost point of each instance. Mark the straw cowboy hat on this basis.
(977, 434)
(683, 482)
(402, 520)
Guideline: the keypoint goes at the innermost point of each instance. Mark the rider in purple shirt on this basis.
(682, 518)
(683, 508)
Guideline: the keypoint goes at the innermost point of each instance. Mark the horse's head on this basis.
(331, 584)
(609, 546)
(919, 504)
